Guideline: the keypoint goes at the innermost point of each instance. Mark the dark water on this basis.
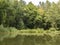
(31, 40)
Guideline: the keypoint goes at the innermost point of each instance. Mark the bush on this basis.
(3, 32)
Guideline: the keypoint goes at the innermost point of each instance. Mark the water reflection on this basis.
(31, 40)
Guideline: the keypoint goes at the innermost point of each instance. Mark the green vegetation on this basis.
(12, 36)
(20, 15)
(28, 24)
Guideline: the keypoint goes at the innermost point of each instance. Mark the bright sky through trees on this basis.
(36, 2)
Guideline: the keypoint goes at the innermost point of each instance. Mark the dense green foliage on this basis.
(20, 15)
(24, 24)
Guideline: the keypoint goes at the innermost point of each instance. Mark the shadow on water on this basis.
(31, 40)
(27, 40)
(18, 40)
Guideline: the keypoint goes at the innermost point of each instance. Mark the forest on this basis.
(20, 22)
(20, 15)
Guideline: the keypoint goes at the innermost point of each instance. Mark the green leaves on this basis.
(20, 15)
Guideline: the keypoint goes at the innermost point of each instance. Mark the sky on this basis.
(36, 2)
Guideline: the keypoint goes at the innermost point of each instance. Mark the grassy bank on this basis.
(12, 32)
(41, 38)
(12, 36)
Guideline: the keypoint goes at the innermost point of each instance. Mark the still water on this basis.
(30, 40)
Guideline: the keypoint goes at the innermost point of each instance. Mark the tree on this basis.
(30, 14)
